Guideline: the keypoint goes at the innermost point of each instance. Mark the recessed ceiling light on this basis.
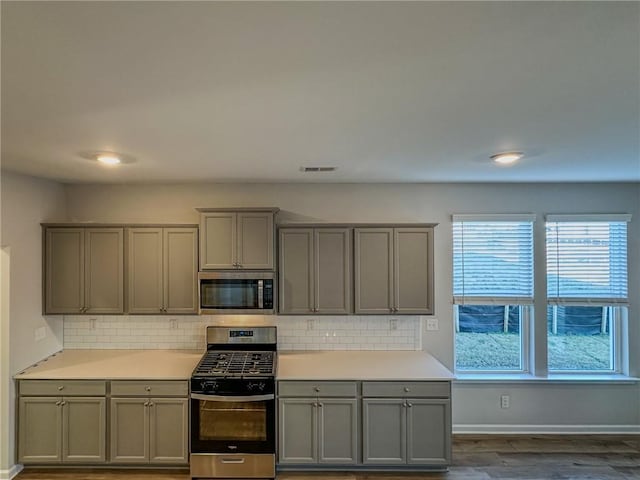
(108, 159)
(506, 158)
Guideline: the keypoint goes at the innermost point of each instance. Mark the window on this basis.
(493, 290)
(586, 291)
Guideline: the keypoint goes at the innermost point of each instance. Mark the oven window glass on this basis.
(233, 421)
(229, 293)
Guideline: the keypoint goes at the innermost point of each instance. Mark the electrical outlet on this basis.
(40, 333)
(92, 323)
(393, 324)
(432, 324)
(173, 323)
(311, 323)
(505, 401)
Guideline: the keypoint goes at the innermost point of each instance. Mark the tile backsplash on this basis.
(351, 332)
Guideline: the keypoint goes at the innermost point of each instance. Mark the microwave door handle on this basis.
(261, 294)
(221, 398)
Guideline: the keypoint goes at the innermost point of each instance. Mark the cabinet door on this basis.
(255, 240)
(218, 241)
(84, 429)
(296, 271)
(374, 270)
(64, 270)
(144, 270)
(129, 430)
(180, 270)
(332, 267)
(429, 432)
(39, 430)
(169, 431)
(104, 270)
(413, 270)
(384, 436)
(298, 432)
(338, 430)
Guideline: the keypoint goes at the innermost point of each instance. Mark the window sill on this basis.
(469, 378)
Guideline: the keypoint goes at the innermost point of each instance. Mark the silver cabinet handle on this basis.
(316, 389)
(60, 388)
(315, 404)
(409, 405)
(320, 405)
(232, 460)
(148, 389)
(58, 403)
(63, 402)
(146, 404)
(407, 389)
(151, 404)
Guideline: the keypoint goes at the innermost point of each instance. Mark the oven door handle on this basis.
(221, 398)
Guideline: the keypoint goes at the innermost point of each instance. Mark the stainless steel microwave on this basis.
(237, 292)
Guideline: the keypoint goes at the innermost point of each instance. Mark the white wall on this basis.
(26, 201)
(475, 404)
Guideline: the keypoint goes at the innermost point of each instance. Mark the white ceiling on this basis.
(385, 91)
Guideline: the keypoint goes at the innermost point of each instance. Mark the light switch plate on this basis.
(432, 324)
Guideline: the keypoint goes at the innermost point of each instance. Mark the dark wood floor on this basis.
(544, 457)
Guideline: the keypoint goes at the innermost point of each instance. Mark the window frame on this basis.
(619, 306)
(525, 304)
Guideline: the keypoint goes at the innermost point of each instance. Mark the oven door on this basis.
(233, 424)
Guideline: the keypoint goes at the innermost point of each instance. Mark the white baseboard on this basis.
(547, 429)
(11, 473)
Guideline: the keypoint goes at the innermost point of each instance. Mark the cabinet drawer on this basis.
(137, 388)
(317, 389)
(406, 389)
(62, 387)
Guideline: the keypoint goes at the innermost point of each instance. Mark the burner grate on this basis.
(233, 363)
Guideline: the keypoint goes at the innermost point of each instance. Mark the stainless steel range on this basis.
(233, 405)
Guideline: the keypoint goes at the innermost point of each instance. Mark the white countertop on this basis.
(115, 365)
(292, 365)
(360, 365)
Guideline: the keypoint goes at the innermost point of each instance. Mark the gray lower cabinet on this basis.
(403, 425)
(318, 423)
(61, 429)
(149, 430)
(413, 430)
(318, 430)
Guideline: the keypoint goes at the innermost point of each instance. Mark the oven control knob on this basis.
(209, 386)
(258, 386)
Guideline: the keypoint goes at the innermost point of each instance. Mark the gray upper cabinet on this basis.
(84, 270)
(315, 270)
(373, 270)
(162, 270)
(236, 239)
(394, 270)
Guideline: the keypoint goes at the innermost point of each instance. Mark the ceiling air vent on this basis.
(318, 169)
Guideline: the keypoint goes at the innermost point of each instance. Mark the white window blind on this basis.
(586, 260)
(493, 259)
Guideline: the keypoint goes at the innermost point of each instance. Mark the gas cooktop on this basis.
(231, 363)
